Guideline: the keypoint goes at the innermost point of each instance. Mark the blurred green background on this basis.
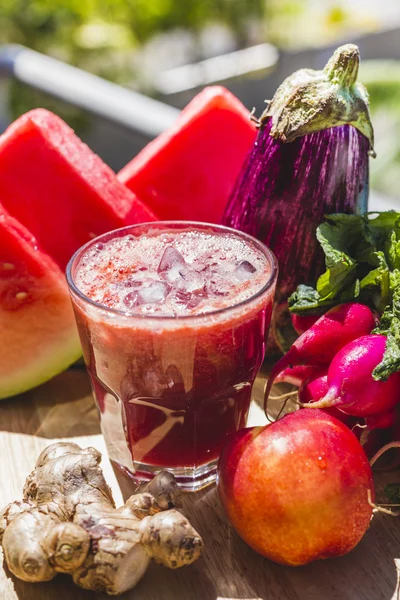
(106, 36)
(132, 42)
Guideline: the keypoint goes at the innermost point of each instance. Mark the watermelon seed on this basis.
(8, 266)
(21, 295)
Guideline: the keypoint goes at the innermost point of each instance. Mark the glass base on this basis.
(189, 479)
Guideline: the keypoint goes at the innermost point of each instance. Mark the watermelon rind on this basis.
(50, 362)
(38, 333)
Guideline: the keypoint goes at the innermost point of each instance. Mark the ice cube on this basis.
(188, 299)
(172, 265)
(132, 299)
(152, 293)
(181, 297)
(195, 300)
(193, 282)
(244, 270)
(217, 287)
(209, 270)
(131, 283)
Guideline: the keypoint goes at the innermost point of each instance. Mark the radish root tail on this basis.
(282, 363)
(284, 396)
(381, 507)
(382, 451)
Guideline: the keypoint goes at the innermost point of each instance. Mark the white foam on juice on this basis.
(172, 274)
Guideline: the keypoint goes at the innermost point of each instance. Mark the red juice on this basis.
(173, 319)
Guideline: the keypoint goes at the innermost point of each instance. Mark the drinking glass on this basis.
(172, 390)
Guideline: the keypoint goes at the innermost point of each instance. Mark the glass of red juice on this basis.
(173, 319)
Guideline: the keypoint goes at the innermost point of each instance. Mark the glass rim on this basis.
(140, 316)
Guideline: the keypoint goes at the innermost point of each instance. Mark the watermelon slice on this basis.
(189, 171)
(58, 188)
(38, 335)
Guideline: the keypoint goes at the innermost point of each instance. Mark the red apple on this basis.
(297, 490)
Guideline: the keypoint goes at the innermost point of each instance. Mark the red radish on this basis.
(303, 322)
(296, 375)
(382, 420)
(297, 490)
(319, 344)
(351, 386)
(372, 440)
(314, 388)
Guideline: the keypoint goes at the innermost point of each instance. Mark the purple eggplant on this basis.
(310, 159)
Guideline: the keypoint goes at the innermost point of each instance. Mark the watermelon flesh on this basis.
(38, 335)
(189, 171)
(62, 192)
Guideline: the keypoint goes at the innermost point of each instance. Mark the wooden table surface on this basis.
(64, 409)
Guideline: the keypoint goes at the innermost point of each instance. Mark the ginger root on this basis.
(67, 523)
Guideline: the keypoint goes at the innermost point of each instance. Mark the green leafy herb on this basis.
(362, 258)
(306, 297)
(392, 492)
(390, 326)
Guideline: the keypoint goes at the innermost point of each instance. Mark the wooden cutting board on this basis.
(64, 409)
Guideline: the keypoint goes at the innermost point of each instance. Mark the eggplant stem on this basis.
(309, 101)
(343, 66)
(253, 118)
(380, 507)
(383, 450)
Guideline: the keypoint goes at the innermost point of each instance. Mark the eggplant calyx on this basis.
(310, 101)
